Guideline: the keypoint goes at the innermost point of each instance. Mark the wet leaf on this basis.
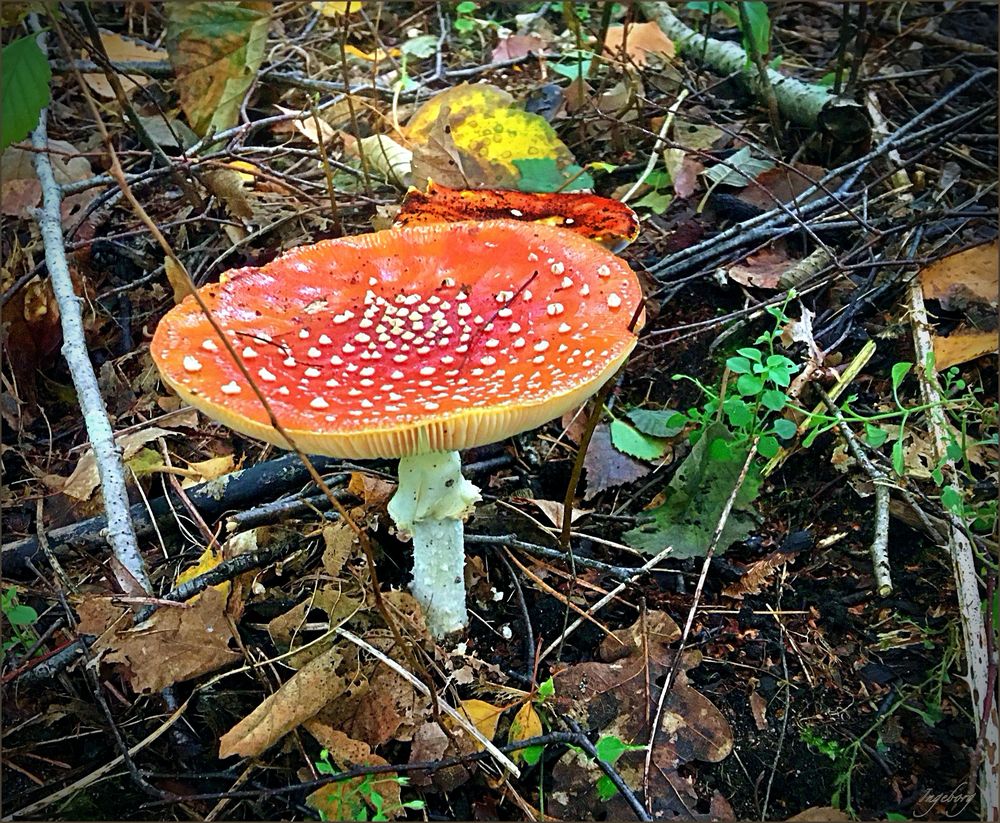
(298, 699)
(216, 49)
(86, 478)
(484, 716)
(695, 499)
(764, 269)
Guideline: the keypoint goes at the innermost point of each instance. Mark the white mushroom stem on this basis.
(431, 504)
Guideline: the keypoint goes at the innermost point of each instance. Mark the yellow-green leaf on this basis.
(526, 724)
(216, 49)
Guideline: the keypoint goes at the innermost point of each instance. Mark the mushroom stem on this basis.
(431, 503)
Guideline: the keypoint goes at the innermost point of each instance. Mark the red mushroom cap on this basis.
(429, 338)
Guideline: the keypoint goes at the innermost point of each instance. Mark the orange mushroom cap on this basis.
(609, 222)
(428, 338)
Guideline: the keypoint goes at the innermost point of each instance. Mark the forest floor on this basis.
(722, 522)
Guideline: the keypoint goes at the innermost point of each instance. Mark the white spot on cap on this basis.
(249, 353)
(565, 327)
(585, 289)
(532, 257)
(400, 358)
(265, 375)
(312, 372)
(191, 364)
(614, 300)
(289, 361)
(209, 345)
(313, 352)
(541, 345)
(516, 213)
(427, 371)
(558, 268)
(232, 387)
(431, 406)
(319, 403)
(603, 271)
(367, 371)
(303, 334)
(283, 390)
(519, 343)
(397, 375)
(554, 309)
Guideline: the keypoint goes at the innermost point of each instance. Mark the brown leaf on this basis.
(641, 40)
(820, 814)
(762, 270)
(338, 541)
(607, 467)
(375, 491)
(960, 279)
(782, 185)
(123, 49)
(516, 46)
(85, 477)
(758, 708)
(177, 643)
(962, 345)
(175, 276)
(300, 698)
(755, 576)
(226, 183)
(553, 511)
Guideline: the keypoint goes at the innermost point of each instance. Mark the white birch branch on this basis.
(804, 103)
(128, 566)
(963, 560)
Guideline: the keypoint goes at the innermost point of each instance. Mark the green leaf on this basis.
(658, 422)
(657, 179)
(898, 462)
(739, 170)
(738, 413)
(599, 165)
(899, 372)
(739, 365)
(216, 48)
(466, 7)
(24, 88)
(425, 45)
(609, 748)
(532, 754)
(760, 26)
(951, 499)
(632, 442)
(546, 689)
(875, 436)
(768, 446)
(750, 354)
(695, 497)
(774, 400)
(785, 429)
(657, 202)
(20, 615)
(464, 25)
(749, 384)
(542, 174)
(605, 788)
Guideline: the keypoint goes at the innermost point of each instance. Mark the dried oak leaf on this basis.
(298, 699)
(755, 576)
(640, 40)
(177, 643)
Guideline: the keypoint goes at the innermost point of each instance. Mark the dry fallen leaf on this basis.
(86, 478)
(338, 543)
(761, 270)
(758, 708)
(959, 279)
(607, 467)
(553, 511)
(962, 346)
(203, 470)
(755, 576)
(525, 725)
(298, 699)
(119, 50)
(306, 126)
(177, 643)
(641, 40)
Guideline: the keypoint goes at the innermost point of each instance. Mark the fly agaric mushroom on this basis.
(412, 343)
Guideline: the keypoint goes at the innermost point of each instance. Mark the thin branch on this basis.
(129, 567)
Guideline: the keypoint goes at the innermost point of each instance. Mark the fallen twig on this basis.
(880, 540)
(984, 709)
(129, 567)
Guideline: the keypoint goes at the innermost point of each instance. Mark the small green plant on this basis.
(466, 22)
(359, 798)
(21, 619)
(756, 37)
(609, 749)
(24, 88)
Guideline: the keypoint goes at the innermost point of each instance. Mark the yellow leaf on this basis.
(175, 276)
(961, 346)
(210, 558)
(337, 8)
(376, 56)
(460, 101)
(244, 169)
(306, 126)
(526, 724)
(470, 136)
(202, 470)
(119, 50)
(484, 716)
